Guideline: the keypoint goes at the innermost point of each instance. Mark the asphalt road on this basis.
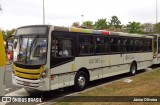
(8, 80)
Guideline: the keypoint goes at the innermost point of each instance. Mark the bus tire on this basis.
(133, 69)
(81, 81)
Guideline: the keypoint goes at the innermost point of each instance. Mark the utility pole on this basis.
(82, 18)
(156, 12)
(43, 13)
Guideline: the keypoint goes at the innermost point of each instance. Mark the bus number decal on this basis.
(129, 57)
(95, 60)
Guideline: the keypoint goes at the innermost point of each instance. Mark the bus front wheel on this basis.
(81, 81)
(133, 69)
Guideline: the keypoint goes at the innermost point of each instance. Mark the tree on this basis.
(7, 33)
(115, 23)
(123, 28)
(75, 24)
(148, 28)
(157, 28)
(88, 24)
(101, 24)
(134, 27)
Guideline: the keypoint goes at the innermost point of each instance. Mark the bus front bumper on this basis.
(35, 84)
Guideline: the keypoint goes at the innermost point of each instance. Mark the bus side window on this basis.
(149, 45)
(65, 47)
(136, 44)
(85, 44)
(112, 44)
(54, 48)
(100, 45)
(128, 45)
(144, 45)
(116, 44)
(120, 46)
(62, 47)
(131, 45)
(125, 44)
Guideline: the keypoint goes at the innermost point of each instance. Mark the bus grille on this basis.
(32, 74)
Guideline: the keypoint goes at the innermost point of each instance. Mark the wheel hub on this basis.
(133, 69)
(81, 81)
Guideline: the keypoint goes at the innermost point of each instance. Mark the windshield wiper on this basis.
(32, 45)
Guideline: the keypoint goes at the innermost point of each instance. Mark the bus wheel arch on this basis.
(81, 79)
(133, 68)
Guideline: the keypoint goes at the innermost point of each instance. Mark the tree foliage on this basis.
(101, 24)
(115, 23)
(134, 27)
(157, 28)
(148, 28)
(7, 33)
(75, 24)
(88, 24)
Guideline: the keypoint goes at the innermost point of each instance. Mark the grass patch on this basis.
(145, 84)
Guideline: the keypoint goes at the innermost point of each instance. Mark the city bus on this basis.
(47, 57)
(156, 56)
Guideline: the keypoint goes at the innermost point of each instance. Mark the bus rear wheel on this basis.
(133, 69)
(81, 81)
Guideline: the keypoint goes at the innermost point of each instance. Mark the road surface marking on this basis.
(8, 89)
(20, 92)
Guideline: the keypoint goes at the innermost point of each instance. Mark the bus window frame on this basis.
(100, 44)
(63, 38)
(116, 37)
(57, 61)
(91, 44)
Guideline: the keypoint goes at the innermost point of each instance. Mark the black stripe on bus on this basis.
(96, 68)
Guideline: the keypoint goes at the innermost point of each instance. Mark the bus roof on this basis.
(91, 31)
(34, 26)
(154, 35)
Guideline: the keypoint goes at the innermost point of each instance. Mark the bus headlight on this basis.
(44, 74)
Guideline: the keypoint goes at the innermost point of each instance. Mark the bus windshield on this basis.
(32, 50)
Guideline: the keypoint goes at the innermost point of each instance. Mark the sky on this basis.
(18, 13)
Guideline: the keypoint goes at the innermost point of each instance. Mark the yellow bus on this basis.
(47, 57)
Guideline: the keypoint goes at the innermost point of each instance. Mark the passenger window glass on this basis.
(116, 44)
(100, 45)
(62, 47)
(99, 40)
(85, 39)
(85, 44)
